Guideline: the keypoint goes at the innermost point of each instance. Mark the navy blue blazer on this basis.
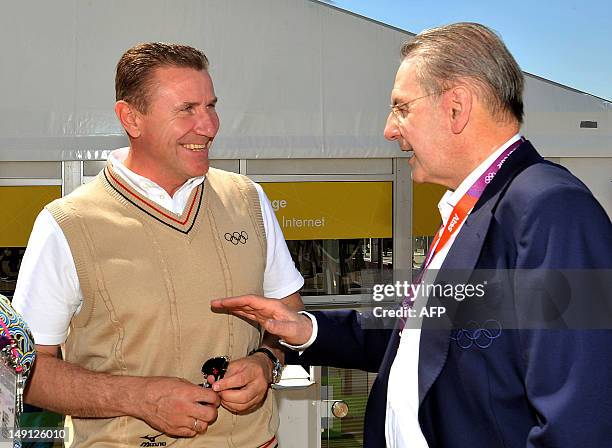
(530, 388)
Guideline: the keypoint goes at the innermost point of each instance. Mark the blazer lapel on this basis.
(456, 269)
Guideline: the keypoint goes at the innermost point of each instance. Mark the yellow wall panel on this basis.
(19, 207)
(425, 214)
(332, 210)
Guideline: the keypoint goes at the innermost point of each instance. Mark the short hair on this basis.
(471, 51)
(135, 69)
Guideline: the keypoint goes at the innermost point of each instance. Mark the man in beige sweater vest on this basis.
(130, 263)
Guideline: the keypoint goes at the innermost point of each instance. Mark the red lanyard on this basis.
(459, 214)
(466, 204)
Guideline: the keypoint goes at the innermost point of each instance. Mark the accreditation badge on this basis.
(8, 401)
(17, 354)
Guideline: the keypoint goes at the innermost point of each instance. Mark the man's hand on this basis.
(245, 384)
(272, 314)
(172, 405)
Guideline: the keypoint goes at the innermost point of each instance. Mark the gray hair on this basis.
(469, 51)
(134, 76)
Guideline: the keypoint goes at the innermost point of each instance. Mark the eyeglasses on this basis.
(399, 111)
(216, 367)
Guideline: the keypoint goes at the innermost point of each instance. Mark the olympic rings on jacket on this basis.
(480, 337)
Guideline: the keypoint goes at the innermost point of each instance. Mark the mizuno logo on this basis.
(150, 441)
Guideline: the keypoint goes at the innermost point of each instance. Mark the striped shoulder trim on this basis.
(183, 223)
(272, 443)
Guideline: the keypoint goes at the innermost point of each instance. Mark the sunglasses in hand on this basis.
(216, 367)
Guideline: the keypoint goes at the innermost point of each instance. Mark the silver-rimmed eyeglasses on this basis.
(400, 111)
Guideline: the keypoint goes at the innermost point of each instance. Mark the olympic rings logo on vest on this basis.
(480, 337)
(237, 237)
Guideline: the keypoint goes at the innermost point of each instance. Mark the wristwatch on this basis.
(277, 367)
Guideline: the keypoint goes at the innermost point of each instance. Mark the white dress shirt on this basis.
(402, 429)
(48, 292)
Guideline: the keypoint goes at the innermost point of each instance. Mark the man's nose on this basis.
(207, 122)
(391, 129)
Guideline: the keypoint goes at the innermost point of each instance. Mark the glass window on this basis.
(344, 266)
(10, 261)
(343, 391)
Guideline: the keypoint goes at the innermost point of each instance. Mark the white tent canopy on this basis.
(295, 79)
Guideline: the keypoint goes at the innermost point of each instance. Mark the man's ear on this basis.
(460, 100)
(129, 118)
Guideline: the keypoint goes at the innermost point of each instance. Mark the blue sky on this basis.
(567, 41)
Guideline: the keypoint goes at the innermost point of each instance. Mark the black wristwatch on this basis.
(277, 367)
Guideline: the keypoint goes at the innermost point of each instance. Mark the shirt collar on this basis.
(141, 184)
(451, 198)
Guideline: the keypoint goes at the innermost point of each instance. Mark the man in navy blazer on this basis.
(457, 105)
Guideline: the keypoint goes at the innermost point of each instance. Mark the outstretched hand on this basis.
(272, 314)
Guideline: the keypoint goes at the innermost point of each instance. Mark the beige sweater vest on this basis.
(147, 277)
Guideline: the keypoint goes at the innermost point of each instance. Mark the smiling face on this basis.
(170, 142)
(422, 127)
